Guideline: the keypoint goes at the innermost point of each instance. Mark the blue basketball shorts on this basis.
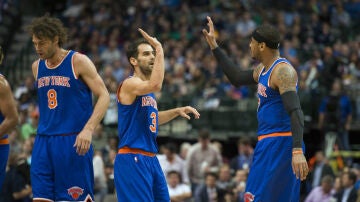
(271, 177)
(4, 155)
(58, 173)
(139, 178)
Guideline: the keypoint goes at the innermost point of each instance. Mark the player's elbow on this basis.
(106, 98)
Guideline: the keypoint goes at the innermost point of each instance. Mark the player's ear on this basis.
(133, 61)
(262, 45)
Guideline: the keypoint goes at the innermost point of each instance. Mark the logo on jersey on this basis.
(261, 90)
(53, 81)
(75, 192)
(249, 197)
(148, 101)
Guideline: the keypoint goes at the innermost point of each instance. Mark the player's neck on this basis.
(269, 60)
(56, 58)
(141, 76)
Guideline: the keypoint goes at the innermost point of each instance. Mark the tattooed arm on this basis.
(284, 79)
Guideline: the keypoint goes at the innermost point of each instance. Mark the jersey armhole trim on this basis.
(73, 66)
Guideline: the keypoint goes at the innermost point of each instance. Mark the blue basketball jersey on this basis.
(138, 123)
(272, 116)
(65, 101)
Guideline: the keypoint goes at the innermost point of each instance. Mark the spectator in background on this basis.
(202, 158)
(111, 53)
(184, 148)
(335, 114)
(322, 193)
(245, 155)
(178, 191)
(100, 185)
(224, 181)
(348, 192)
(17, 181)
(171, 161)
(321, 168)
(208, 190)
(100, 141)
(240, 184)
(28, 129)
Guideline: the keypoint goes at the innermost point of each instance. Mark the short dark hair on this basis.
(48, 27)
(215, 175)
(132, 49)
(204, 133)
(171, 147)
(268, 34)
(352, 176)
(244, 141)
(176, 173)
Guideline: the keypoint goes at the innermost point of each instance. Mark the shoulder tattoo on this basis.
(286, 78)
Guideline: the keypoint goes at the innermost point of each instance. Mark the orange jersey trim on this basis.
(4, 141)
(282, 134)
(127, 150)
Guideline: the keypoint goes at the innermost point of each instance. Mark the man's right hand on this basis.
(152, 40)
(210, 36)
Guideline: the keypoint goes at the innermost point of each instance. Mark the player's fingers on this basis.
(205, 32)
(146, 35)
(76, 142)
(85, 147)
(293, 167)
(211, 25)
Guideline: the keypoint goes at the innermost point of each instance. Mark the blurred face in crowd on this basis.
(145, 59)
(204, 142)
(210, 181)
(173, 179)
(241, 176)
(337, 184)
(45, 47)
(224, 173)
(346, 181)
(326, 186)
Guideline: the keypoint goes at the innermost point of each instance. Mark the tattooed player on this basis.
(278, 161)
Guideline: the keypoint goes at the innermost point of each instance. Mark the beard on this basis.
(146, 70)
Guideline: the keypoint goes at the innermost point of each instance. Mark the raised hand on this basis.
(152, 40)
(210, 35)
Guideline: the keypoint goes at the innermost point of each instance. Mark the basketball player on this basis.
(278, 161)
(61, 167)
(137, 172)
(8, 120)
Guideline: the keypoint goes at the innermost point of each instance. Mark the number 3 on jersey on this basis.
(52, 101)
(153, 122)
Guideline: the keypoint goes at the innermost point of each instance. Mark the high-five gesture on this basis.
(152, 40)
(210, 36)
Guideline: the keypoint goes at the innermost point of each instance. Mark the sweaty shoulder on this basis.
(81, 63)
(126, 92)
(284, 78)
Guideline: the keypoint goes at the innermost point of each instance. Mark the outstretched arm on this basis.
(235, 75)
(168, 115)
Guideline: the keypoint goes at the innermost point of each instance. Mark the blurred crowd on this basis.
(321, 39)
